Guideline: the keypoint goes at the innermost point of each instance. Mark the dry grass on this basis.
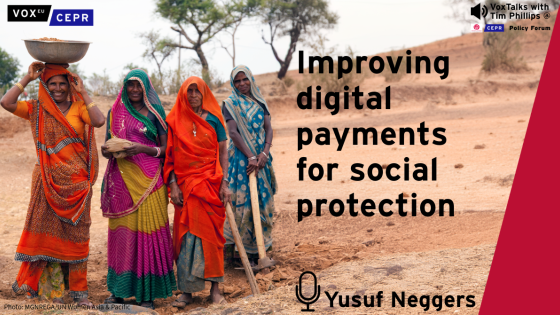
(503, 53)
(504, 181)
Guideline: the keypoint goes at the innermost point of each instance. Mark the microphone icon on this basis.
(313, 298)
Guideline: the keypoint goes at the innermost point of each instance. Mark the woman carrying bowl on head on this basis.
(54, 244)
(248, 121)
(196, 155)
(134, 197)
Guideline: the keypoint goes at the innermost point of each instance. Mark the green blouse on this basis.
(218, 127)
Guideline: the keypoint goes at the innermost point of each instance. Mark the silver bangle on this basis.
(172, 181)
(252, 158)
(265, 154)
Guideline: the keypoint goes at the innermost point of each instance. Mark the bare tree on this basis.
(241, 10)
(206, 17)
(294, 18)
(156, 49)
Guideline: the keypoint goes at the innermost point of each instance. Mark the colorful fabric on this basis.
(249, 117)
(134, 198)
(123, 192)
(51, 283)
(58, 218)
(77, 115)
(218, 127)
(151, 99)
(195, 161)
(190, 266)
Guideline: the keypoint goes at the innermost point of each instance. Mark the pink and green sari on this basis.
(134, 198)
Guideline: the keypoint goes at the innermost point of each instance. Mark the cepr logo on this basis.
(28, 13)
(72, 18)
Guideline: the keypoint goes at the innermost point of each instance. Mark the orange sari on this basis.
(58, 218)
(193, 154)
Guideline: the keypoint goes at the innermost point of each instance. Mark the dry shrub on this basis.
(479, 146)
(505, 181)
(288, 81)
(396, 77)
(330, 81)
(502, 52)
(459, 165)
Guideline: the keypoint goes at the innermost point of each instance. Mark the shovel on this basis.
(264, 261)
(241, 249)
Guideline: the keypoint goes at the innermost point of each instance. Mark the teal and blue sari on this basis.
(249, 116)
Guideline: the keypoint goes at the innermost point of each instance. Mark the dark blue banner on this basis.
(72, 18)
(491, 27)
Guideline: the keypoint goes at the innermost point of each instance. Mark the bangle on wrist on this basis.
(19, 86)
(158, 152)
(252, 158)
(265, 154)
(172, 181)
(90, 105)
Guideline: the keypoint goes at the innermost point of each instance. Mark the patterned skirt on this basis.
(190, 265)
(140, 252)
(47, 242)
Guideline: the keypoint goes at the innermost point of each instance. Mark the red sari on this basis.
(193, 154)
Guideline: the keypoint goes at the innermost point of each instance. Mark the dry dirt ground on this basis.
(485, 116)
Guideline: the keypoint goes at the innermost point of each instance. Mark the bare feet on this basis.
(183, 300)
(217, 297)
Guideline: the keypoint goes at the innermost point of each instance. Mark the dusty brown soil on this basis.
(489, 111)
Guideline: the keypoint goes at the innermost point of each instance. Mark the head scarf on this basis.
(182, 116)
(122, 195)
(247, 113)
(238, 97)
(151, 100)
(64, 157)
(195, 161)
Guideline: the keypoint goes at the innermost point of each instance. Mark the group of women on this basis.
(183, 155)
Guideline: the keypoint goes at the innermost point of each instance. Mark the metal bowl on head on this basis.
(69, 51)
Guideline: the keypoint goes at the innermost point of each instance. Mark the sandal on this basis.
(83, 302)
(148, 304)
(113, 300)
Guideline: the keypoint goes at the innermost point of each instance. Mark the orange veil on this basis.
(57, 149)
(193, 154)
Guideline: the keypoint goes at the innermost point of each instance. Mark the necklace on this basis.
(193, 124)
(64, 111)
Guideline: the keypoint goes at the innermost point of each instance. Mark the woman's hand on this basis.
(35, 70)
(261, 160)
(80, 86)
(106, 154)
(225, 193)
(176, 194)
(135, 148)
(252, 165)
